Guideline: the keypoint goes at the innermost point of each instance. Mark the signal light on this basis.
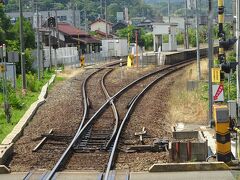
(226, 67)
(51, 22)
(228, 44)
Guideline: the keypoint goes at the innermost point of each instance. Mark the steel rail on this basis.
(94, 117)
(84, 92)
(114, 109)
(85, 111)
(133, 104)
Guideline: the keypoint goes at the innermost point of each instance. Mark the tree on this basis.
(123, 33)
(5, 25)
(28, 34)
(13, 43)
(148, 40)
(113, 8)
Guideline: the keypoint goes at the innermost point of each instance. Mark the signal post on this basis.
(221, 117)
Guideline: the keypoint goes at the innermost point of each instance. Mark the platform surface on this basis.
(196, 175)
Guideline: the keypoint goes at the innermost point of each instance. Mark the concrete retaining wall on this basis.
(189, 146)
(173, 58)
(6, 148)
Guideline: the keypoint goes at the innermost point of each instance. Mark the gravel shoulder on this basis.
(62, 112)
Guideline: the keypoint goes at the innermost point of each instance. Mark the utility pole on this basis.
(238, 49)
(234, 8)
(56, 19)
(38, 44)
(106, 19)
(101, 6)
(85, 17)
(169, 18)
(23, 62)
(74, 14)
(33, 10)
(3, 70)
(49, 41)
(210, 62)
(169, 21)
(186, 43)
(197, 41)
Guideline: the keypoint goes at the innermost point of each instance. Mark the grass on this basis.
(25, 101)
(189, 106)
(6, 128)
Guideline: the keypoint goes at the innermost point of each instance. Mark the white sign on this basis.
(35, 25)
(10, 73)
(218, 93)
(4, 51)
(13, 56)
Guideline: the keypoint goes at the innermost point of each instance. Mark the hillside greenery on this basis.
(92, 7)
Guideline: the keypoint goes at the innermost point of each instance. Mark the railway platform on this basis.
(198, 175)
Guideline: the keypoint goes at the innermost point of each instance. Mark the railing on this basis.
(69, 56)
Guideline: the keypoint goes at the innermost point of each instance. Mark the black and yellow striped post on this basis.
(221, 112)
(223, 139)
(82, 61)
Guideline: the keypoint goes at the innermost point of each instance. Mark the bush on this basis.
(32, 83)
(15, 101)
(180, 38)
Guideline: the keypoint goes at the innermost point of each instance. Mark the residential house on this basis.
(180, 21)
(70, 36)
(100, 25)
(101, 35)
(119, 25)
(146, 24)
(136, 20)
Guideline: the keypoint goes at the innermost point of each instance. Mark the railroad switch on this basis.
(140, 134)
(158, 145)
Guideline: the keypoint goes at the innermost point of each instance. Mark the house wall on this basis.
(101, 26)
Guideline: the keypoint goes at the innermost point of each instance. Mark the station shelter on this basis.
(164, 37)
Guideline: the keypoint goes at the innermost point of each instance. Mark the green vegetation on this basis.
(93, 7)
(20, 103)
(230, 89)
(145, 37)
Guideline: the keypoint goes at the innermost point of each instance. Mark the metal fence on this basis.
(68, 56)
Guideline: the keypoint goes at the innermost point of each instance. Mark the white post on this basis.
(154, 42)
(121, 69)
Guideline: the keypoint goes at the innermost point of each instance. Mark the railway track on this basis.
(96, 139)
(100, 135)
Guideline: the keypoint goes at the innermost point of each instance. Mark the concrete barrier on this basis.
(5, 151)
(6, 148)
(191, 166)
(176, 57)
